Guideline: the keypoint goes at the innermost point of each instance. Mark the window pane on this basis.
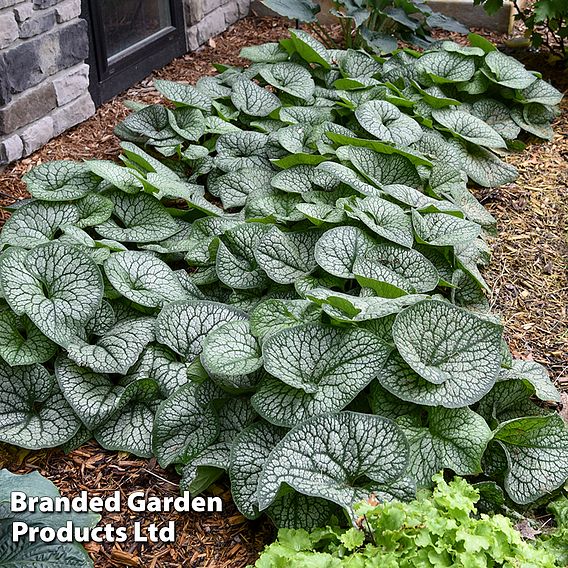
(126, 22)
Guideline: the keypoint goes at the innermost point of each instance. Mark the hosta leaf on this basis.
(137, 218)
(183, 95)
(439, 229)
(287, 256)
(183, 326)
(117, 349)
(185, 424)
(454, 439)
(383, 169)
(143, 278)
(382, 217)
(264, 53)
(469, 127)
(231, 350)
(56, 285)
(291, 78)
(537, 456)
(385, 121)
(443, 343)
(498, 116)
(272, 316)
(21, 342)
(507, 71)
(536, 375)
(248, 455)
(117, 176)
(447, 67)
(33, 412)
(392, 271)
(310, 49)
(252, 99)
(36, 223)
(356, 454)
(62, 180)
(236, 264)
(337, 250)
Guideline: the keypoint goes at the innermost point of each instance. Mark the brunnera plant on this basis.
(283, 284)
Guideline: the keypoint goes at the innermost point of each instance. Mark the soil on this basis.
(528, 276)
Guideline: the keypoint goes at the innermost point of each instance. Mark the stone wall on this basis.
(43, 78)
(205, 19)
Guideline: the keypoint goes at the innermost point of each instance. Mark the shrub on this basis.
(283, 284)
(373, 24)
(439, 528)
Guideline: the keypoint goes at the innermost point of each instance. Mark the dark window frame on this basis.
(109, 77)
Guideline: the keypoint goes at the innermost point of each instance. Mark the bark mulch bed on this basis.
(528, 276)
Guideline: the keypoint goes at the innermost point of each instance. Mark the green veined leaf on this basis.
(137, 218)
(446, 67)
(143, 278)
(536, 375)
(443, 343)
(439, 229)
(287, 256)
(55, 284)
(507, 71)
(291, 78)
(337, 249)
(60, 180)
(233, 188)
(454, 439)
(183, 95)
(21, 342)
(272, 316)
(231, 350)
(540, 92)
(385, 121)
(252, 99)
(469, 127)
(486, 169)
(383, 218)
(116, 175)
(297, 511)
(93, 209)
(33, 412)
(498, 116)
(264, 53)
(537, 456)
(183, 326)
(310, 49)
(357, 454)
(185, 423)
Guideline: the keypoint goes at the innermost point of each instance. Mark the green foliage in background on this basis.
(440, 528)
(281, 282)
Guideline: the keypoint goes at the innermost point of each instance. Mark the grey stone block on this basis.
(43, 4)
(231, 12)
(5, 95)
(71, 84)
(39, 24)
(37, 134)
(191, 38)
(73, 44)
(23, 11)
(73, 113)
(8, 3)
(8, 29)
(24, 66)
(213, 24)
(11, 149)
(68, 10)
(244, 8)
(27, 107)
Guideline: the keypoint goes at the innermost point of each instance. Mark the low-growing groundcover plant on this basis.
(439, 528)
(281, 283)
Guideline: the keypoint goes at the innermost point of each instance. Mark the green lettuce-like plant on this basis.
(439, 528)
(281, 282)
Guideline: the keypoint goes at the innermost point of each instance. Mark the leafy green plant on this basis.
(282, 282)
(546, 22)
(373, 24)
(38, 553)
(439, 528)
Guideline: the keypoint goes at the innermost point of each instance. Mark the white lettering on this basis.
(18, 529)
(18, 502)
(136, 502)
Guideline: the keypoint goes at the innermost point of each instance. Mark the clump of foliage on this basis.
(372, 24)
(282, 282)
(546, 22)
(38, 553)
(439, 528)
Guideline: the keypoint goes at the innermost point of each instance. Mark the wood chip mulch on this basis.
(528, 276)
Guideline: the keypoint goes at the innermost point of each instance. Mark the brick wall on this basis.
(43, 78)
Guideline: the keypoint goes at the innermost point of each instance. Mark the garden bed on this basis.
(527, 276)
